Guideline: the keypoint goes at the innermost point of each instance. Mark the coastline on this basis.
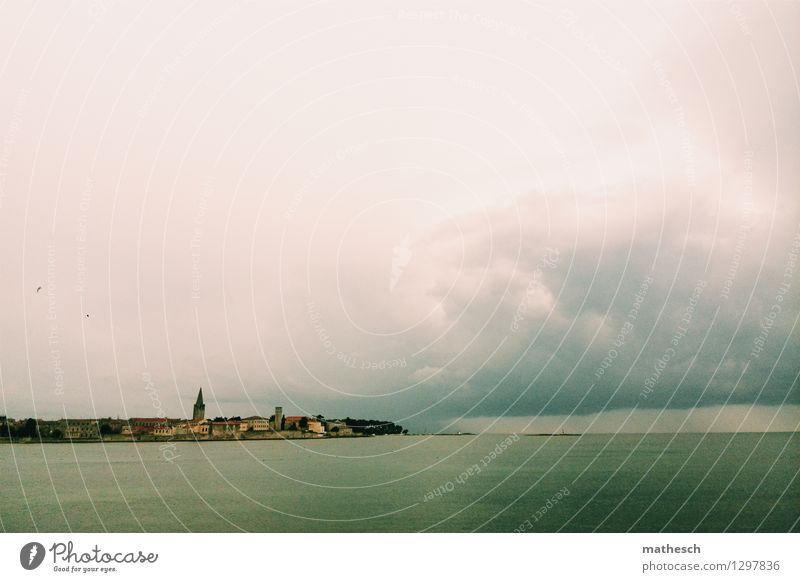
(271, 436)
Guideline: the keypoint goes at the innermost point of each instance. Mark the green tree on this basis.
(7, 430)
(29, 429)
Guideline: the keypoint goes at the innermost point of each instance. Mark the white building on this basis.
(256, 423)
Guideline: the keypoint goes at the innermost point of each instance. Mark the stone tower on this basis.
(278, 418)
(199, 412)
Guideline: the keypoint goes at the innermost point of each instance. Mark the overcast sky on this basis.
(458, 215)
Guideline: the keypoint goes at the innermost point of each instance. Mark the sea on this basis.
(745, 482)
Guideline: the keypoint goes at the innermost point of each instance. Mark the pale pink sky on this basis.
(344, 207)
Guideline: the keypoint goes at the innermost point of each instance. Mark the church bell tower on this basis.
(199, 412)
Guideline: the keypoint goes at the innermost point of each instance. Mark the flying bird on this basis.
(39, 288)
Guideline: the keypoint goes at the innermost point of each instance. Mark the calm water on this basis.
(689, 482)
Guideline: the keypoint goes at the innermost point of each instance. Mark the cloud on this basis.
(587, 218)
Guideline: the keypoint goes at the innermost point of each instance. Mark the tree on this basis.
(105, 428)
(303, 423)
(372, 427)
(8, 430)
(56, 434)
(29, 429)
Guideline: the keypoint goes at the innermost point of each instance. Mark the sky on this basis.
(527, 216)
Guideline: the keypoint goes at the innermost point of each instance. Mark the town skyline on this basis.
(198, 427)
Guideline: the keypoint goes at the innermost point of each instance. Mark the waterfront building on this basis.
(256, 423)
(200, 428)
(145, 425)
(338, 428)
(182, 429)
(294, 423)
(223, 428)
(81, 428)
(306, 423)
(316, 426)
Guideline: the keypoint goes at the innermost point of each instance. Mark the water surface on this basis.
(688, 482)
